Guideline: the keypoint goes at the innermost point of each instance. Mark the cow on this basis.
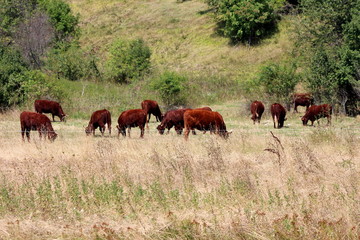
(131, 118)
(204, 121)
(175, 118)
(257, 108)
(99, 119)
(46, 106)
(35, 121)
(302, 99)
(278, 114)
(317, 111)
(152, 107)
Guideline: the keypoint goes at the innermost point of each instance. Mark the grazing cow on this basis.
(278, 114)
(204, 121)
(46, 106)
(131, 118)
(175, 118)
(99, 119)
(302, 99)
(257, 109)
(151, 107)
(317, 111)
(35, 121)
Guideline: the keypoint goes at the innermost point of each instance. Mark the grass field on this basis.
(301, 183)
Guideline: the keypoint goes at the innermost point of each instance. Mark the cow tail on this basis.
(276, 121)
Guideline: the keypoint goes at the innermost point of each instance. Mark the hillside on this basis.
(182, 36)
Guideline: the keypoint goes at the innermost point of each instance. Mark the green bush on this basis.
(245, 20)
(278, 80)
(70, 62)
(128, 60)
(61, 17)
(172, 88)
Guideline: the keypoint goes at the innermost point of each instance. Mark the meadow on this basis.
(262, 183)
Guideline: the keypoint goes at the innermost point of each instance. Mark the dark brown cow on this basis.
(175, 118)
(46, 106)
(204, 121)
(99, 119)
(278, 114)
(151, 107)
(317, 111)
(131, 118)
(302, 99)
(35, 121)
(257, 108)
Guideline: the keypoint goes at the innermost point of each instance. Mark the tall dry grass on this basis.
(297, 183)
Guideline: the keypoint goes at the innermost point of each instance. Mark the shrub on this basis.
(244, 20)
(172, 88)
(278, 80)
(128, 60)
(70, 62)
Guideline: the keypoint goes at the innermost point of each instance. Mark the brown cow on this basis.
(35, 121)
(175, 118)
(278, 114)
(46, 106)
(151, 107)
(302, 99)
(317, 111)
(131, 118)
(99, 119)
(257, 109)
(204, 121)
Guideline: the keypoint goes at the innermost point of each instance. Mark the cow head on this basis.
(304, 120)
(88, 130)
(52, 136)
(62, 117)
(161, 129)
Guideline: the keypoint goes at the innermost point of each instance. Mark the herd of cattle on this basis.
(203, 119)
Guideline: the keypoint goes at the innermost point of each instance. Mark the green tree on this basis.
(172, 88)
(128, 60)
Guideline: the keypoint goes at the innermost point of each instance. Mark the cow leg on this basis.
(53, 117)
(102, 128)
(109, 127)
(23, 133)
(27, 131)
(295, 108)
(329, 120)
(129, 131)
(142, 130)
(186, 133)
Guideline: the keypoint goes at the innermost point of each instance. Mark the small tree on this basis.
(128, 60)
(172, 88)
(278, 81)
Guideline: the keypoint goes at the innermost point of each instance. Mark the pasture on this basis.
(299, 183)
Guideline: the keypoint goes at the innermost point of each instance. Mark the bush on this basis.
(172, 88)
(70, 62)
(278, 81)
(128, 60)
(244, 20)
(30, 85)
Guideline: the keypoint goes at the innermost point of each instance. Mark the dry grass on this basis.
(304, 186)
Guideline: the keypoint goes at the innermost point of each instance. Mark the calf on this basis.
(278, 114)
(99, 119)
(302, 99)
(151, 107)
(131, 118)
(257, 108)
(317, 111)
(46, 106)
(35, 121)
(204, 121)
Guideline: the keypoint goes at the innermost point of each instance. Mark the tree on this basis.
(33, 37)
(328, 39)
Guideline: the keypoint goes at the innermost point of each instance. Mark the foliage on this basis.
(11, 67)
(328, 38)
(63, 20)
(172, 88)
(278, 80)
(244, 20)
(128, 60)
(70, 62)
